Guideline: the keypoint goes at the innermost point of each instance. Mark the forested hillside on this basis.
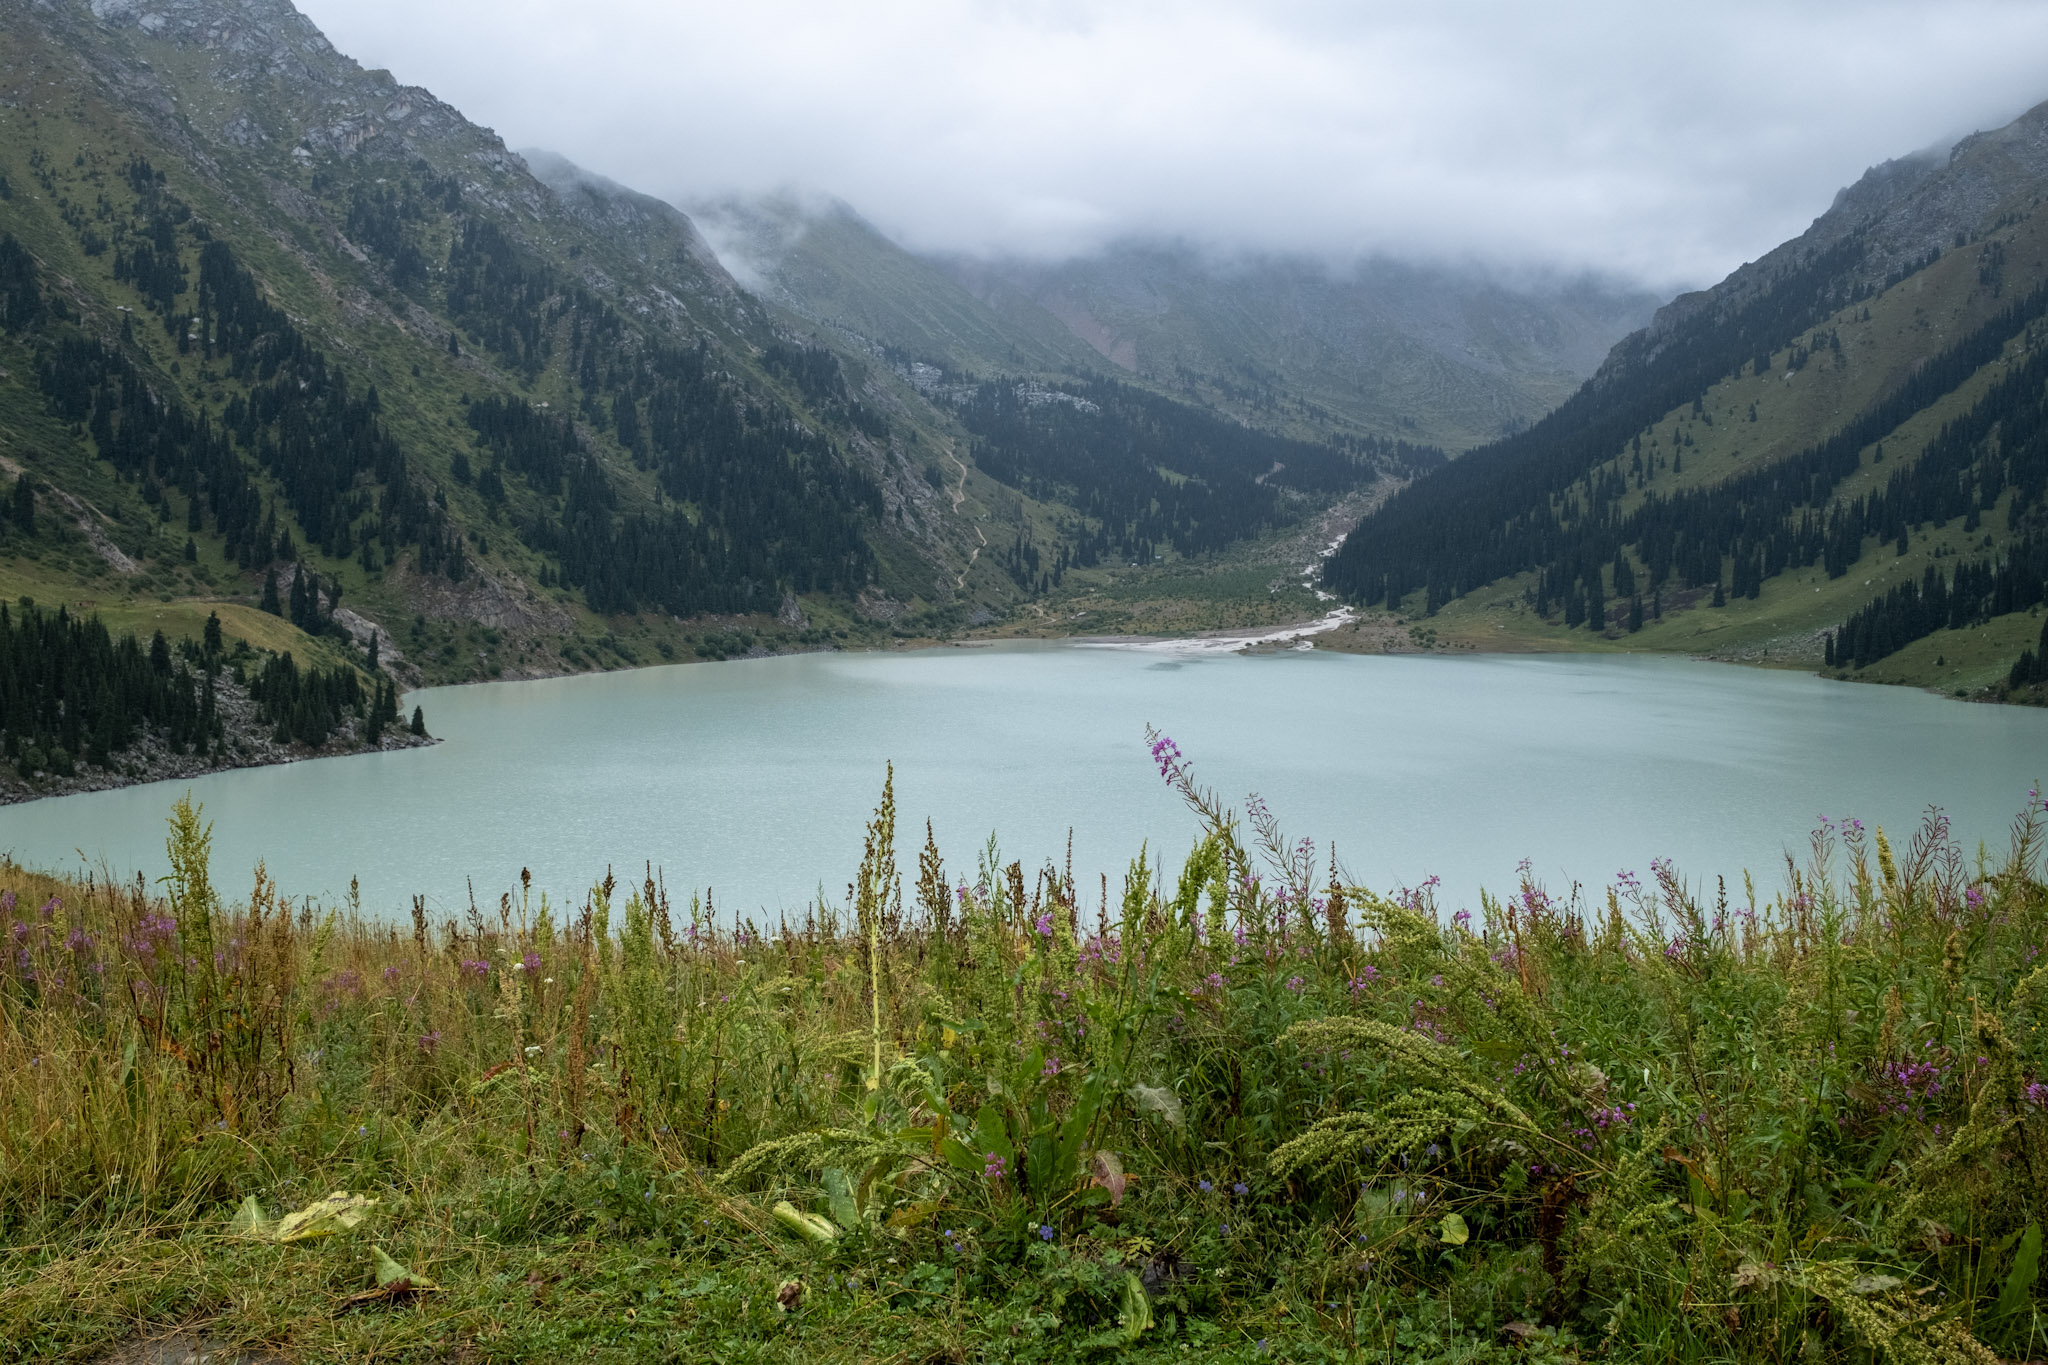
(1865, 404)
(267, 318)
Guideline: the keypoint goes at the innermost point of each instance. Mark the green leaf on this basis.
(808, 1226)
(2026, 1266)
(839, 1199)
(323, 1217)
(1453, 1230)
(1137, 1309)
(993, 1133)
(1160, 1102)
(250, 1220)
(392, 1275)
(960, 1157)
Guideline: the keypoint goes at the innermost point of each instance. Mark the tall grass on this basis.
(1230, 1101)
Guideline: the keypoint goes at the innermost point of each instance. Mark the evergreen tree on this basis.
(269, 601)
(419, 722)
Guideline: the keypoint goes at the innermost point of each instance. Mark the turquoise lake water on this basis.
(755, 778)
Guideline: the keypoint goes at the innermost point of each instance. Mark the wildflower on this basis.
(1204, 1186)
(1974, 897)
(1294, 983)
(1044, 925)
(993, 1166)
(1240, 1188)
(1044, 1233)
(1463, 919)
(1051, 1068)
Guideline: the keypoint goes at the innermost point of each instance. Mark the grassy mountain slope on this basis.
(1859, 406)
(481, 333)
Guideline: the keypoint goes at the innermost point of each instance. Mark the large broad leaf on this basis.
(396, 1278)
(1453, 1230)
(992, 1133)
(1075, 1129)
(1137, 1309)
(839, 1198)
(250, 1220)
(809, 1226)
(2026, 1266)
(1159, 1102)
(1106, 1169)
(323, 1217)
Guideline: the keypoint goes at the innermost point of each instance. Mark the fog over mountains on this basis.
(1447, 355)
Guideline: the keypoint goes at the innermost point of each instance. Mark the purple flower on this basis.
(531, 962)
(1044, 1233)
(1044, 925)
(476, 967)
(993, 1166)
(1240, 1188)
(1204, 1186)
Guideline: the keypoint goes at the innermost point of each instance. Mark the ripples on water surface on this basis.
(756, 777)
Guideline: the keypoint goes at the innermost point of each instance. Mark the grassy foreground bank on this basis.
(1232, 1109)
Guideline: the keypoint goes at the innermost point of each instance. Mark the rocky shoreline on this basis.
(248, 744)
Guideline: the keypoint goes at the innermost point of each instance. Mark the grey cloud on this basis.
(1637, 140)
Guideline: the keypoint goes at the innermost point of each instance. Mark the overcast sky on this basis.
(1627, 138)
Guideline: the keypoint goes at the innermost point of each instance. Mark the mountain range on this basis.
(270, 321)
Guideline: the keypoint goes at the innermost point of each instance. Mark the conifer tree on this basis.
(419, 722)
(269, 602)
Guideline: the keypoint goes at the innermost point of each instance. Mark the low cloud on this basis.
(1666, 144)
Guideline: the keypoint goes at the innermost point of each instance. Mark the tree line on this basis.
(69, 690)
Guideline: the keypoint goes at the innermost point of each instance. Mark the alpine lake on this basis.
(754, 779)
